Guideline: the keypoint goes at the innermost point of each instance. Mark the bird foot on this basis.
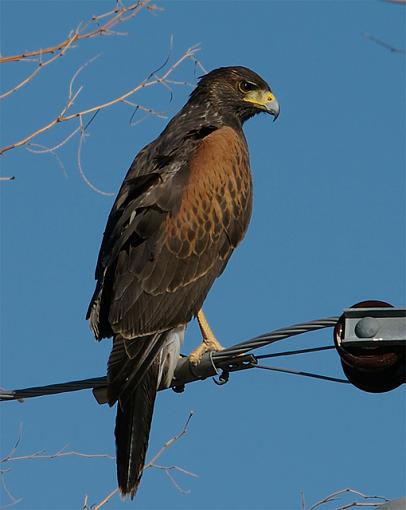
(210, 342)
(208, 345)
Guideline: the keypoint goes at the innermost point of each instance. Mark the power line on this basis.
(305, 374)
(232, 359)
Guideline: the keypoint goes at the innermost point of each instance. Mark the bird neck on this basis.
(209, 113)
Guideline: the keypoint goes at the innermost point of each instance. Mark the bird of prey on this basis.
(182, 209)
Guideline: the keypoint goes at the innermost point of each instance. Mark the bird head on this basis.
(236, 91)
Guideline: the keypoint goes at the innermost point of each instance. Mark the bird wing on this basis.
(176, 220)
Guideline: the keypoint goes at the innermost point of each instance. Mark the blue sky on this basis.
(328, 230)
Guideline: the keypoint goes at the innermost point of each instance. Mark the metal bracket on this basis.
(374, 327)
(186, 372)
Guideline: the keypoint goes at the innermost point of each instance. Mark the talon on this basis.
(197, 354)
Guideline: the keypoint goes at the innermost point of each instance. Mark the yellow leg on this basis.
(210, 342)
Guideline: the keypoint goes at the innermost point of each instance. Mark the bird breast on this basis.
(217, 195)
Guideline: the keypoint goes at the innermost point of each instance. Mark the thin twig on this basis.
(119, 15)
(169, 443)
(358, 503)
(334, 495)
(302, 501)
(386, 45)
(150, 111)
(167, 470)
(48, 126)
(11, 497)
(80, 167)
(41, 65)
(41, 454)
(78, 71)
(64, 116)
(42, 149)
(16, 444)
(45, 149)
(60, 50)
(145, 84)
(105, 500)
(175, 483)
(152, 464)
(58, 454)
(175, 468)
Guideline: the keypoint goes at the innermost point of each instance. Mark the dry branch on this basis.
(41, 65)
(60, 453)
(64, 453)
(366, 501)
(152, 464)
(98, 25)
(64, 116)
(118, 15)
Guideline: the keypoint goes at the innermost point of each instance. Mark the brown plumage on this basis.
(183, 207)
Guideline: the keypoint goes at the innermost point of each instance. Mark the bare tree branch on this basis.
(152, 464)
(10, 457)
(41, 65)
(168, 469)
(103, 501)
(335, 495)
(79, 163)
(169, 443)
(99, 25)
(42, 149)
(118, 15)
(64, 116)
(60, 453)
(163, 80)
(41, 454)
(13, 500)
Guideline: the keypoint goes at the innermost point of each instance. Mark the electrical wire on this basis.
(228, 354)
(274, 336)
(297, 351)
(53, 389)
(305, 374)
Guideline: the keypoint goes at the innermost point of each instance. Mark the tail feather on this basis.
(133, 425)
(136, 369)
(128, 363)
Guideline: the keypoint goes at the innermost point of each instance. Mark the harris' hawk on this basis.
(183, 207)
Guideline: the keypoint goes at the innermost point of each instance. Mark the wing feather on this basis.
(171, 233)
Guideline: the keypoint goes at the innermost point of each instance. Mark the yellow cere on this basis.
(259, 97)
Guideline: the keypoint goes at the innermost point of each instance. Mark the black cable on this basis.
(52, 389)
(298, 351)
(305, 374)
(227, 355)
(274, 336)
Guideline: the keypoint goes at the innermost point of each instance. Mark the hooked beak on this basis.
(272, 107)
(265, 101)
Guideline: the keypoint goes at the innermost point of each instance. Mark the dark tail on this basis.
(133, 424)
(132, 380)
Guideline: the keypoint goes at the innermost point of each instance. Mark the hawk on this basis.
(182, 209)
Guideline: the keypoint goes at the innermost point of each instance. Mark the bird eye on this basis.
(246, 86)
